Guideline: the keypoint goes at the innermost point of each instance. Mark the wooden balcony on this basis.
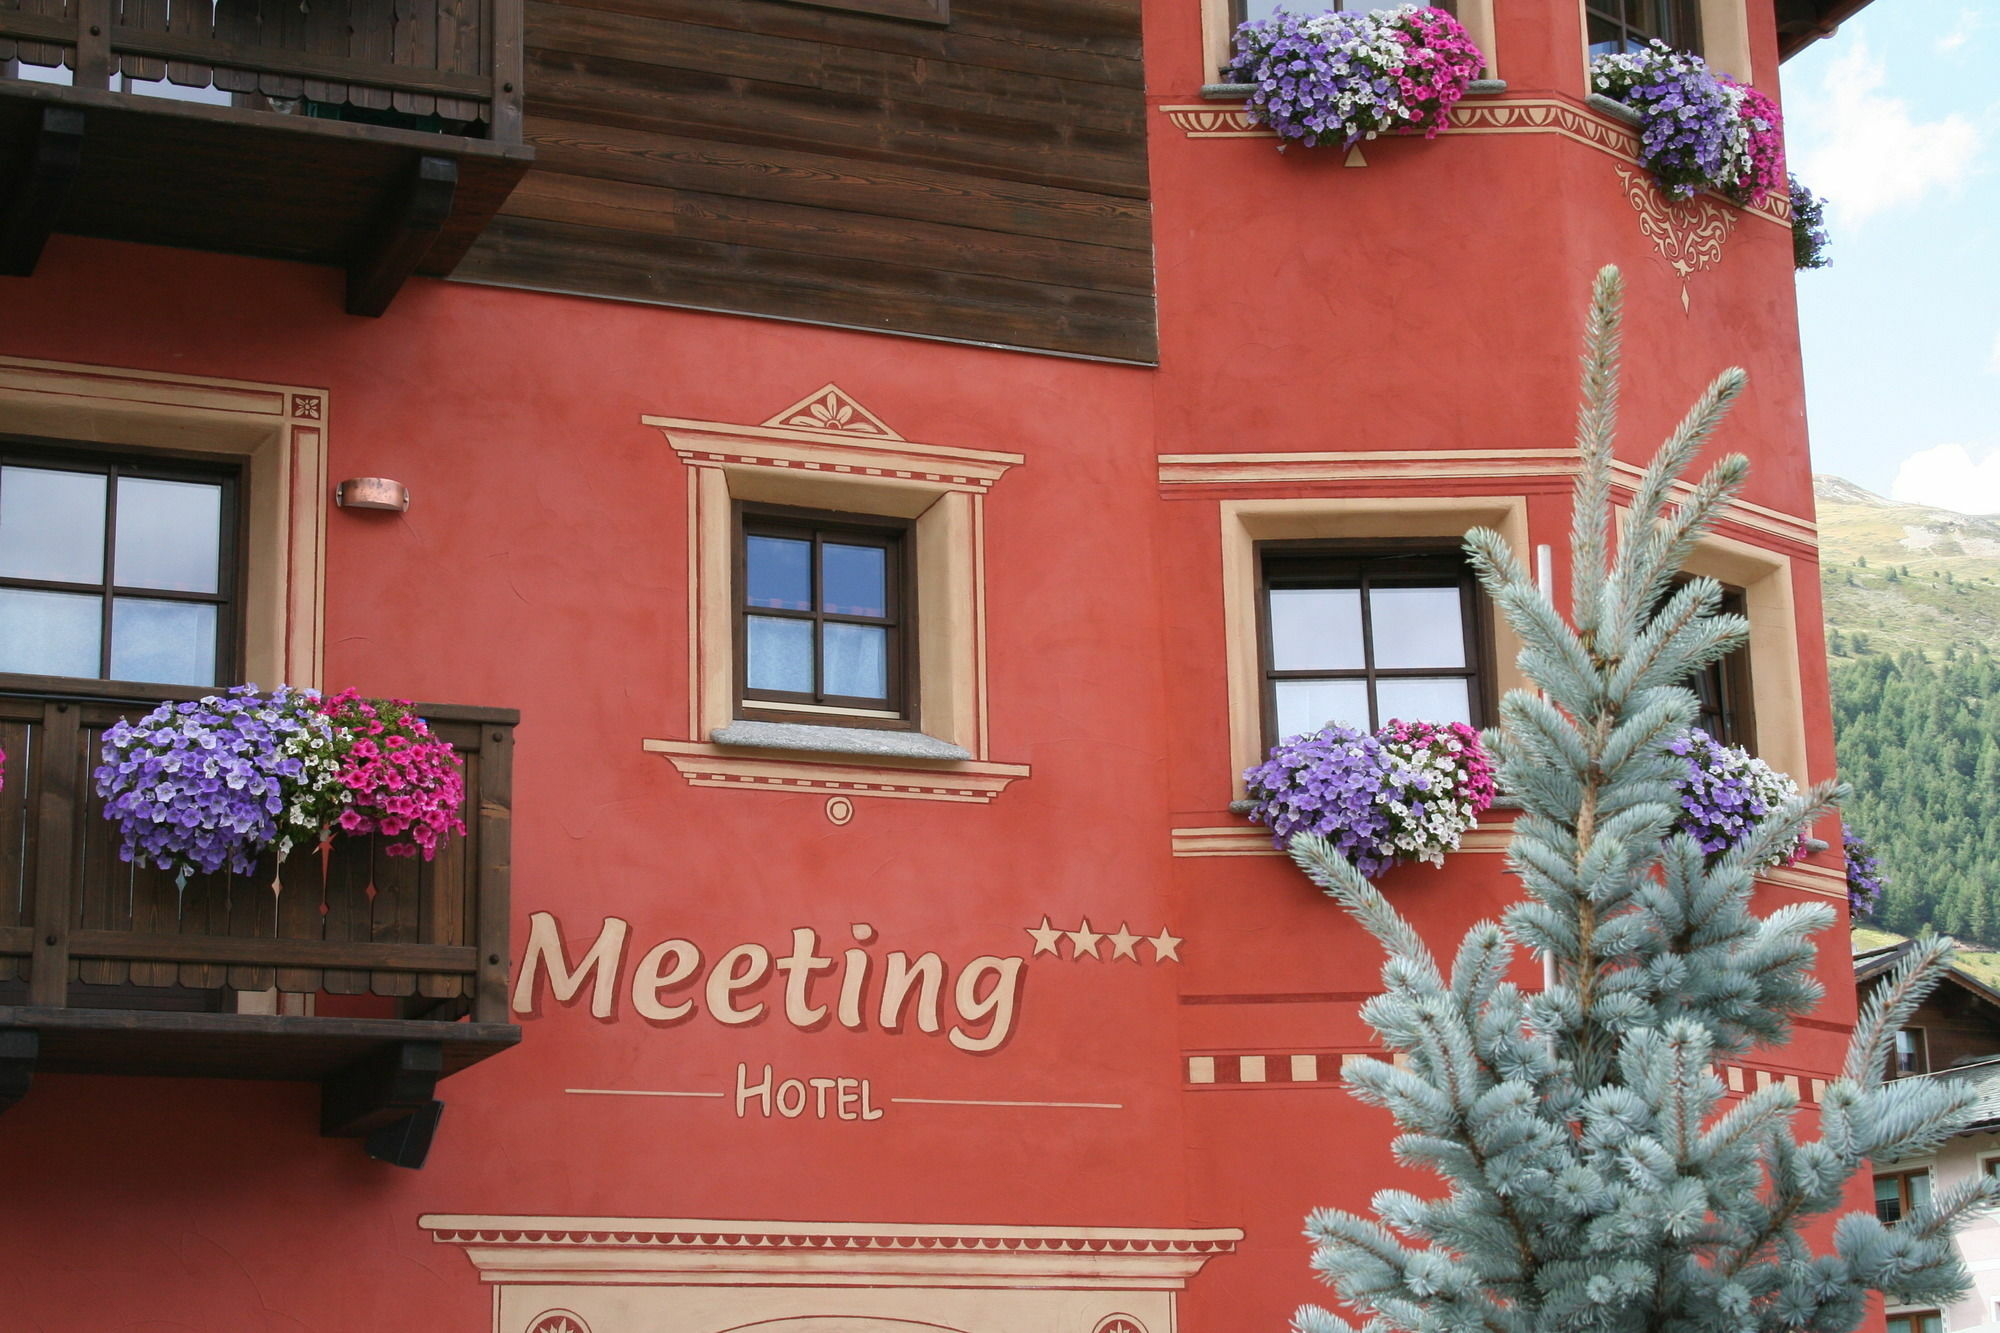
(106, 968)
(376, 136)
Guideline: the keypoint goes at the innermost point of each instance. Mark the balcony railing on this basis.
(377, 135)
(456, 60)
(110, 968)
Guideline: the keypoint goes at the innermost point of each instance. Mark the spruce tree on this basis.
(1593, 1178)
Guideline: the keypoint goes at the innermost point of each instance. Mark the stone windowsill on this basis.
(866, 742)
(1236, 92)
(1612, 107)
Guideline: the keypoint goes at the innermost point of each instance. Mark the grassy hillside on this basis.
(1901, 576)
(1982, 965)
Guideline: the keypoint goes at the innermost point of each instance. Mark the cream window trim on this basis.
(1776, 698)
(1247, 522)
(276, 432)
(1475, 15)
(828, 452)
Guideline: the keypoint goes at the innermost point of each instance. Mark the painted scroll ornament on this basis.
(1688, 236)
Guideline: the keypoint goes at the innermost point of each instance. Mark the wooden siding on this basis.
(983, 180)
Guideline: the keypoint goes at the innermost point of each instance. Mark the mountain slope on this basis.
(1901, 576)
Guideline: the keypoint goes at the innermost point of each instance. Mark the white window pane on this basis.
(171, 643)
(1316, 629)
(1308, 705)
(1420, 699)
(52, 526)
(49, 633)
(1417, 627)
(781, 654)
(857, 661)
(169, 535)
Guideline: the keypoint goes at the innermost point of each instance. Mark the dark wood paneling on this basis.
(983, 180)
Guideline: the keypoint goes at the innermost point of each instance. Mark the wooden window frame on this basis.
(897, 536)
(158, 465)
(1911, 1321)
(1479, 670)
(1729, 683)
(1923, 1053)
(1237, 8)
(1679, 15)
(1902, 1179)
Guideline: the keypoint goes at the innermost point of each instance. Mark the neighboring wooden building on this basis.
(833, 464)
(1955, 1035)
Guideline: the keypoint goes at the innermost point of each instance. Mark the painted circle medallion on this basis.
(558, 1321)
(1119, 1323)
(839, 809)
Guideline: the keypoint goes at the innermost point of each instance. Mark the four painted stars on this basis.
(1083, 941)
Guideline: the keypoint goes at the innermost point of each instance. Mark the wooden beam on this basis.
(239, 951)
(413, 221)
(380, 1089)
(407, 1142)
(42, 181)
(18, 1049)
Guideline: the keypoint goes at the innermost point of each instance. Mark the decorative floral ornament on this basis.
(1865, 880)
(1725, 793)
(1342, 77)
(1407, 793)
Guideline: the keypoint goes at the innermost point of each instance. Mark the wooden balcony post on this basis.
(507, 20)
(494, 874)
(63, 796)
(93, 44)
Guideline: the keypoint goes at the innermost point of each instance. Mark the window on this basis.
(1900, 1191)
(1617, 26)
(1912, 1055)
(119, 568)
(1722, 688)
(1366, 635)
(1916, 1321)
(821, 634)
(1244, 11)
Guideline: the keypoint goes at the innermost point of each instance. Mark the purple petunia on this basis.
(1865, 880)
(1408, 792)
(1340, 77)
(211, 784)
(1726, 792)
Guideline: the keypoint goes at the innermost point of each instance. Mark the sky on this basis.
(1895, 121)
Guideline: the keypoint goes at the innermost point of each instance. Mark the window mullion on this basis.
(1368, 646)
(108, 574)
(818, 622)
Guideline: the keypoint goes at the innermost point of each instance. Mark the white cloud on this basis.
(1961, 32)
(1949, 477)
(1867, 153)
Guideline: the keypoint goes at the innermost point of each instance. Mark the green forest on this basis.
(1919, 738)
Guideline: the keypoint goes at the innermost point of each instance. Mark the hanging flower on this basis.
(210, 784)
(1725, 793)
(1407, 793)
(1342, 77)
(1865, 880)
(400, 781)
(1810, 244)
